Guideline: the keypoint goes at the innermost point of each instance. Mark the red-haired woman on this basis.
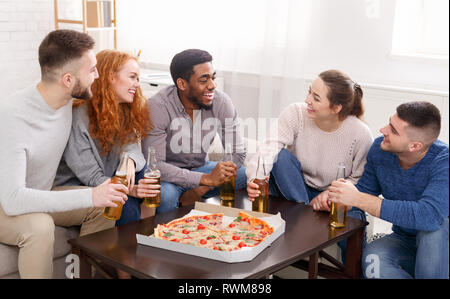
(112, 122)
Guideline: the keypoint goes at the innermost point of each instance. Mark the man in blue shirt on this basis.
(408, 166)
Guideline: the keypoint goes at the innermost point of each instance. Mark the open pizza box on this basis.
(243, 255)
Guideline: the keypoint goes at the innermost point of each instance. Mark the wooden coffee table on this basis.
(307, 234)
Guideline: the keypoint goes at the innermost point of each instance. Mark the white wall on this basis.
(351, 35)
(356, 37)
(345, 34)
(23, 25)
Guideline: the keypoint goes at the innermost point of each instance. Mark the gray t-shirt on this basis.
(83, 163)
(182, 144)
(33, 137)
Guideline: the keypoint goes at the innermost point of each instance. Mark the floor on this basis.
(294, 273)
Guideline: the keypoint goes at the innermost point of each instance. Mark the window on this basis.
(421, 28)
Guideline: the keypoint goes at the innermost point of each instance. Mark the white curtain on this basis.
(259, 46)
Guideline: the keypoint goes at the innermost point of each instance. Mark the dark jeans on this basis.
(171, 193)
(287, 180)
(131, 210)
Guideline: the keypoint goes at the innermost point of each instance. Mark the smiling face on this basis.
(396, 139)
(318, 104)
(199, 90)
(85, 76)
(126, 81)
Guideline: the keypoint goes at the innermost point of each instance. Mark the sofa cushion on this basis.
(9, 254)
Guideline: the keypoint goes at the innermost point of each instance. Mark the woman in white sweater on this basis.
(313, 137)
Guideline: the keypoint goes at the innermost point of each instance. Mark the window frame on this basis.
(416, 50)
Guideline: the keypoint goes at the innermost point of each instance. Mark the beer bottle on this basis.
(120, 177)
(261, 203)
(227, 190)
(338, 213)
(152, 172)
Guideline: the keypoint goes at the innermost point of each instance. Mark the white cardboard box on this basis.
(243, 255)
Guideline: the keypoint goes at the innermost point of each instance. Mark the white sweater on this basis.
(319, 152)
(33, 137)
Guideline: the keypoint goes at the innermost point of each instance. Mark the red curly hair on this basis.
(111, 123)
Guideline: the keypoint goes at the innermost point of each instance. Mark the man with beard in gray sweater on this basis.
(34, 129)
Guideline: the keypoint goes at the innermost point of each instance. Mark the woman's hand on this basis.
(253, 189)
(146, 188)
(321, 202)
(131, 172)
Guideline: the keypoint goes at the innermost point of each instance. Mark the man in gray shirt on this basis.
(186, 118)
(34, 128)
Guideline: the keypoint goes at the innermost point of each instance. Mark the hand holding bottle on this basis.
(108, 195)
(222, 173)
(149, 188)
(253, 189)
(146, 188)
(120, 178)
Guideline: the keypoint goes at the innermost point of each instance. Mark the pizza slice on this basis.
(250, 229)
(191, 230)
(197, 222)
(233, 241)
(212, 220)
(209, 239)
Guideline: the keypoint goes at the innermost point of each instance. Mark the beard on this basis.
(81, 93)
(197, 102)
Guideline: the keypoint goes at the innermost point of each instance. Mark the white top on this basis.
(319, 152)
(33, 137)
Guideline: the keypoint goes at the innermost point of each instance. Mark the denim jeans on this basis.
(287, 180)
(399, 256)
(131, 210)
(171, 193)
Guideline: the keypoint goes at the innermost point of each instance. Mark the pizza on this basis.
(207, 231)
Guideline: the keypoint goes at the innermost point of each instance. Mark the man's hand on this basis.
(344, 192)
(253, 189)
(146, 188)
(106, 194)
(321, 202)
(222, 173)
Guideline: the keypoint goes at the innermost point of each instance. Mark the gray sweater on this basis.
(182, 144)
(33, 137)
(82, 162)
